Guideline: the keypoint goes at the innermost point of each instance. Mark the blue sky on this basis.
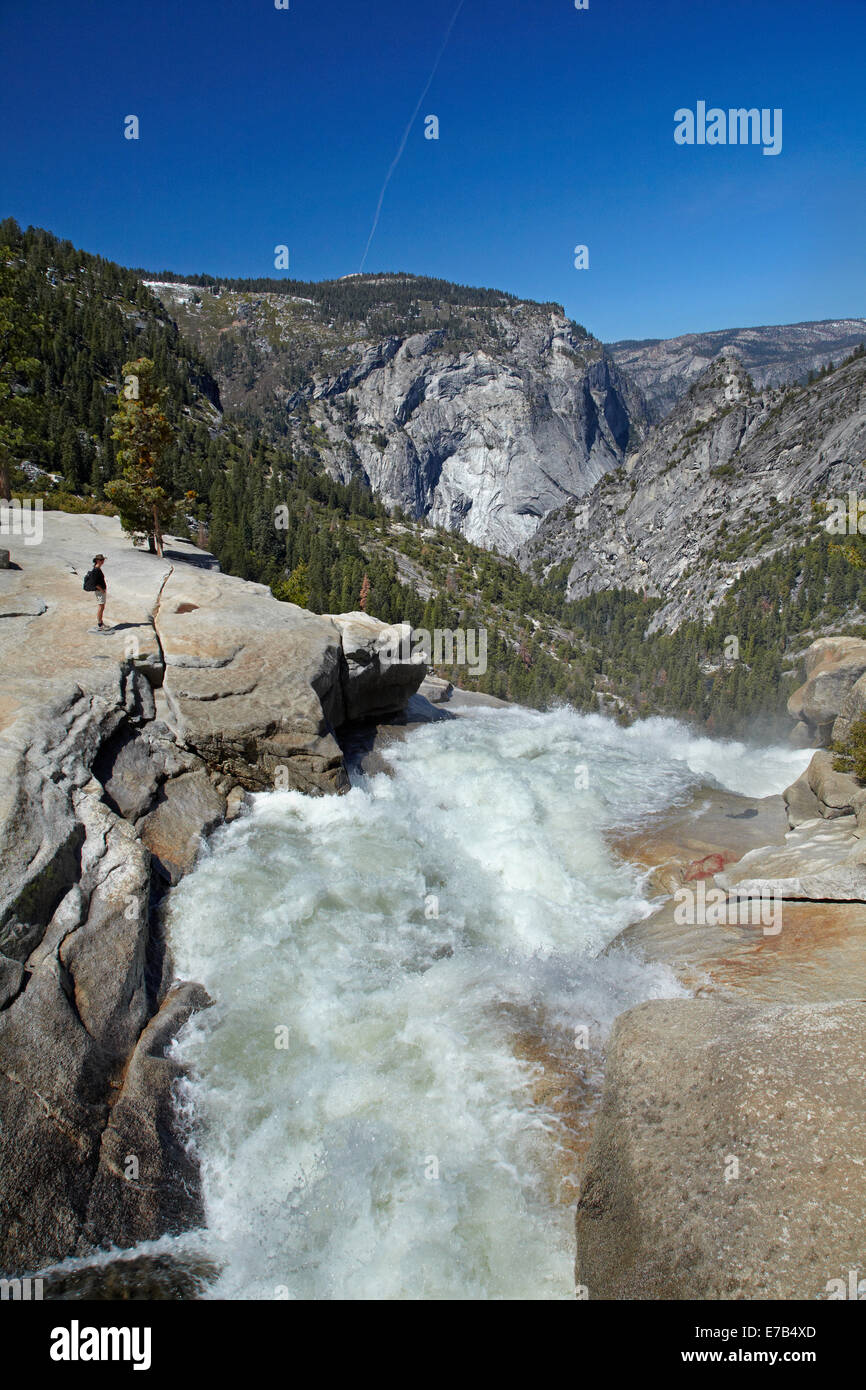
(261, 127)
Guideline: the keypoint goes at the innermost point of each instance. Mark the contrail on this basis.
(407, 131)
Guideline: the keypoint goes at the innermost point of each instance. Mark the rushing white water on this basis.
(369, 1122)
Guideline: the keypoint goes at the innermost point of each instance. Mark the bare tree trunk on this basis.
(157, 531)
(5, 484)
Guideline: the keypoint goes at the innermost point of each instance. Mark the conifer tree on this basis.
(142, 436)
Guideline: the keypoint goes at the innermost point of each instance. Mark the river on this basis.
(403, 977)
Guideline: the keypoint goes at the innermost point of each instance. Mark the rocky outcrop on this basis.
(726, 1162)
(790, 948)
(251, 685)
(821, 861)
(436, 689)
(379, 672)
(665, 368)
(833, 666)
(829, 861)
(731, 469)
(823, 791)
(118, 754)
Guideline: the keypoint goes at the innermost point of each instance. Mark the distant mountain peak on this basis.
(774, 355)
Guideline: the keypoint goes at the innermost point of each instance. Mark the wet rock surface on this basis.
(726, 1161)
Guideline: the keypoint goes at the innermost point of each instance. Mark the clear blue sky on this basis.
(261, 126)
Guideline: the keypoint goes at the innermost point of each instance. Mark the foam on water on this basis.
(403, 935)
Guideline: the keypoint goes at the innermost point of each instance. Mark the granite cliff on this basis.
(665, 368)
(727, 479)
(119, 754)
(481, 417)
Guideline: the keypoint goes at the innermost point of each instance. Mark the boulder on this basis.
(823, 791)
(835, 791)
(852, 707)
(129, 773)
(726, 1161)
(833, 666)
(435, 689)
(188, 809)
(379, 671)
(821, 860)
(251, 685)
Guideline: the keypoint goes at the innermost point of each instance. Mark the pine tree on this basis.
(295, 589)
(142, 435)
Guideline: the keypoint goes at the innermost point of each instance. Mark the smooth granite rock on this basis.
(379, 672)
(102, 806)
(852, 708)
(727, 1159)
(821, 860)
(189, 808)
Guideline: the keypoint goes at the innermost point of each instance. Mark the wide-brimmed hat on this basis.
(98, 559)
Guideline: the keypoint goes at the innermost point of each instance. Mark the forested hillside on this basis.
(69, 322)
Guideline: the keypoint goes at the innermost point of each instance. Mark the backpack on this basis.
(90, 584)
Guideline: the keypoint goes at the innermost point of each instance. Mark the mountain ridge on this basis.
(632, 640)
(728, 478)
(472, 409)
(773, 354)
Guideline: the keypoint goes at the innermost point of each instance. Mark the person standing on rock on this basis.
(94, 583)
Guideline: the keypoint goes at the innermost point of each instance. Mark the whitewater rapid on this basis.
(367, 1105)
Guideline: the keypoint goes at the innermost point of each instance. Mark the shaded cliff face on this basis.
(664, 368)
(729, 477)
(481, 418)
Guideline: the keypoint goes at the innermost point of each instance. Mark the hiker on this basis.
(94, 583)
